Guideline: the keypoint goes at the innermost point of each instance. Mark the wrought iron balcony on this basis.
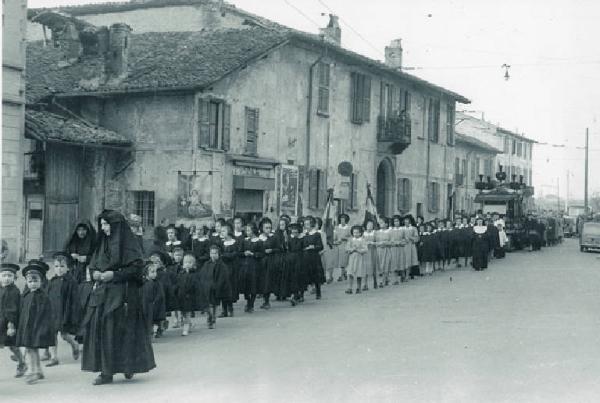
(395, 130)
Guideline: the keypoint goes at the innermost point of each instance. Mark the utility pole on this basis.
(567, 201)
(558, 194)
(587, 146)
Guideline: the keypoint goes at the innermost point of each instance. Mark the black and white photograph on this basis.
(300, 201)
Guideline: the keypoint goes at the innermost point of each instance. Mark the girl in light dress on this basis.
(341, 234)
(383, 244)
(357, 248)
(397, 249)
(412, 239)
(371, 258)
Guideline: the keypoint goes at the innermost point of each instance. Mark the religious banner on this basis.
(194, 196)
(288, 190)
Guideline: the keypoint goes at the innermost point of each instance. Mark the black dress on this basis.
(187, 289)
(36, 322)
(200, 249)
(116, 338)
(429, 247)
(82, 247)
(154, 302)
(269, 265)
(480, 248)
(214, 284)
(467, 241)
(249, 266)
(293, 282)
(456, 246)
(10, 305)
(277, 275)
(230, 256)
(66, 308)
(311, 258)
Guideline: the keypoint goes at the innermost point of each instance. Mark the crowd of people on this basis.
(108, 296)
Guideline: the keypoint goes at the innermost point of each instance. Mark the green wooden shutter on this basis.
(322, 197)
(354, 118)
(251, 131)
(313, 189)
(203, 123)
(407, 101)
(366, 115)
(226, 126)
(354, 195)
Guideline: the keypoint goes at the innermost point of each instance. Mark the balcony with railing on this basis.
(395, 131)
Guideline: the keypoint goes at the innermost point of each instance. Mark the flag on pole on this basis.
(328, 220)
(370, 208)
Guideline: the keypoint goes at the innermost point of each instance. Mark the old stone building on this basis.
(254, 121)
(13, 111)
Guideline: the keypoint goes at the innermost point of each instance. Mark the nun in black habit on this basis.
(116, 338)
(80, 247)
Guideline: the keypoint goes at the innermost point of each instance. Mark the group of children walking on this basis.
(214, 267)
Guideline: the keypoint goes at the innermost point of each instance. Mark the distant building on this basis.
(474, 162)
(14, 25)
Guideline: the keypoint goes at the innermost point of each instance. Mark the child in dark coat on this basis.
(214, 285)
(10, 304)
(186, 291)
(62, 292)
(36, 323)
(154, 300)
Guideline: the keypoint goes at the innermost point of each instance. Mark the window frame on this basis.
(143, 205)
(248, 112)
(324, 87)
(219, 139)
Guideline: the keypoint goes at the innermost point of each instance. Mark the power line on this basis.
(352, 28)
(301, 13)
(496, 66)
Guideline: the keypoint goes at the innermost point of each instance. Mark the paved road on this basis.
(525, 330)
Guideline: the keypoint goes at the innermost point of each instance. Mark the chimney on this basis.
(393, 54)
(332, 32)
(69, 42)
(117, 50)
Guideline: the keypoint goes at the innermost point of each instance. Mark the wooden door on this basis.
(62, 179)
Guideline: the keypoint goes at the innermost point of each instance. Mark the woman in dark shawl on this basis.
(116, 339)
(80, 247)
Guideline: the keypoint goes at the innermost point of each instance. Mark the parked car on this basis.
(590, 236)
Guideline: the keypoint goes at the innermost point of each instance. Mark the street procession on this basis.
(299, 200)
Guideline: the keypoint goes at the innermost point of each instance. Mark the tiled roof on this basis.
(47, 126)
(474, 142)
(157, 60)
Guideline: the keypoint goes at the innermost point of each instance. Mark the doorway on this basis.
(385, 188)
(34, 226)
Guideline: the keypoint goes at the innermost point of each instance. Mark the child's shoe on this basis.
(45, 356)
(21, 369)
(349, 291)
(52, 363)
(358, 290)
(365, 288)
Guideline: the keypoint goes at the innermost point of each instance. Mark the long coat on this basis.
(10, 306)
(116, 338)
(214, 284)
(36, 322)
(64, 299)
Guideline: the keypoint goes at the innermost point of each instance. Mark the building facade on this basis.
(14, 25)
(260, 132)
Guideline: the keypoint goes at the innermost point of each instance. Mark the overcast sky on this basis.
(553, 92)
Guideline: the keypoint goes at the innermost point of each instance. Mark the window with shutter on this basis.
(360, 98)
(324, 79)
(457, 166)
(506, 145)
(450, 123)
(214, 118)
(474, 171)
(433, 120)
(465, 170)
(434, 197)
(313, 188)
(226, 131)
(203, 123)
(251, 131)
(404, 195)
(322, 188)
(353, 192)
(366, 99)
(407, 101)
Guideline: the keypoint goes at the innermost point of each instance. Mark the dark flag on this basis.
(328, 223)
(370, 208)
